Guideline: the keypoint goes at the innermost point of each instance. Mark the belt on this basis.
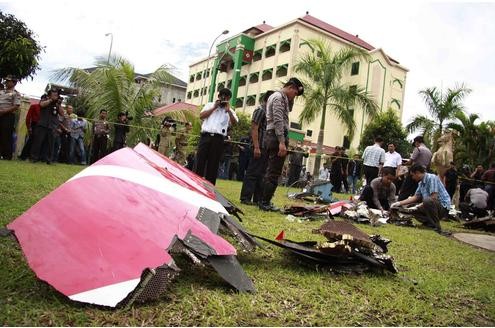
(212, 134)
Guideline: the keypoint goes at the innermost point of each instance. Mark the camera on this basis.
(223, 102)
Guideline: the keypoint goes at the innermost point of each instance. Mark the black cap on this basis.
(418, 139)
(298, 84)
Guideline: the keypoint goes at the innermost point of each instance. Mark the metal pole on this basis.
(111, 43)
(208, 63)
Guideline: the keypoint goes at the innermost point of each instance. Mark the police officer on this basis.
(276, 139)
(10, 101)
(181, 144)
(252, 184)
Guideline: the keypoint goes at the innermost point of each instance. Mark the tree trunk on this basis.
(319, 144)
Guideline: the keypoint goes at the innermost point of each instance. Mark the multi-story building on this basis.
(263, 58)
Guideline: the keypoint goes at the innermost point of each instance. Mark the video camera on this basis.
(169, 122)
(129, 118)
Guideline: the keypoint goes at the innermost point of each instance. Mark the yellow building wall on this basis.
(383, 79)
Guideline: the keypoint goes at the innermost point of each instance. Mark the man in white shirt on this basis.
(216, 117)
(373, 158)
(324, 173)
(393, 158)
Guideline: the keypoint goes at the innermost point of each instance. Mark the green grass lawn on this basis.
(441, 282)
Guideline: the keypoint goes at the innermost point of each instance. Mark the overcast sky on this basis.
(441, 43)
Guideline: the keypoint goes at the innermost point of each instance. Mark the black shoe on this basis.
(247, 202)
(444, 233)
(269, 207)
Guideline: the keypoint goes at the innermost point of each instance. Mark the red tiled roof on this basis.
(336, 31)
(264, 27)
(178, 106)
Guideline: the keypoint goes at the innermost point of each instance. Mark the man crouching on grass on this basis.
(435, 201)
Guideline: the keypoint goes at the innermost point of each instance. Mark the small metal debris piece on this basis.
(347, 249)
(486, 223)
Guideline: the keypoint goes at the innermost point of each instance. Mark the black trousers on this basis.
(467, 208)
(294, 173)
(408, 188)
(98, 148)
(26, 150)
(431, 213)
(252, 186)
(63, 156)
(210, 149)
(274, 166)
(43, 137)
(336, 180)
(370, 172)
(6, 135)
(367, 196)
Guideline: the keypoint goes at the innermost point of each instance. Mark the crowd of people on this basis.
(57, 134)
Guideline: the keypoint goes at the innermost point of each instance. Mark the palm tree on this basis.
(324, 89)
(112, 86)
(442, 108)
(476, 142)
(467, 142)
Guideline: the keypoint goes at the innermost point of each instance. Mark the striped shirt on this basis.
(431, 184)
(259, 118)
(373, 156)
(277, 114)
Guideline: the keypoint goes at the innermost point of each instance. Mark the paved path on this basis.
(480, 240)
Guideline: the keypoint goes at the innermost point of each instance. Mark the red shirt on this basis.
(33, 115)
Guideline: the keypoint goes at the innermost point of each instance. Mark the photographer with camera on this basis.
(121, 130)
(50, 109)
(216, 116)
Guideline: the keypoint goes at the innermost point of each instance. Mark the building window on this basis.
(284, 46)
(239, 102)
(205, 91)
(257, 55)
(229, 84)
(220, 86)
(253, 77)
(396, 102)
(309, 133)
(270, 51)
(295, 125)
(355, 68)
(173, 100)
(196, 93)
(189, 95)
(346, 143)
(198, 76)
(191, 78)
(267, 74)
(353, 89)
(282, 70)
(242, 81)
(206, 73)
(251, 100)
